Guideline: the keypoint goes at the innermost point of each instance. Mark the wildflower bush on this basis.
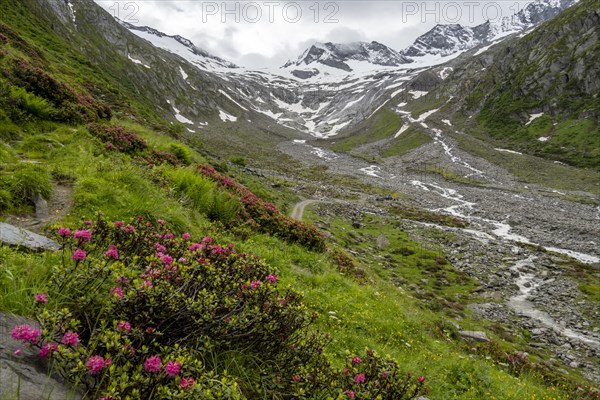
(71, 105)
(133, 311)
(118, 138)
(346, 264)
(265, 216)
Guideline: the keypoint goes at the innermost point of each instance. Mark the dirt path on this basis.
(298, 210)
(59, 206)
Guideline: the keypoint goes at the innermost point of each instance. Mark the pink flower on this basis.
(47, 349)
(95, 364)
(64, 232)
(130, 229)
(152, 364)
(350, 393)
(169, 236)
(167, 260)
(118, 224)
(345, 371)
(41, 298)
(112, 252)
(356, 360)
(26, 333)
(78, 255)
(172, 368)
(195, 246)
(117, 291)
(271, 278)
(384, 374)
(160, 248)
(296, 378)
(359, 378)
(186, 236)
(255, 284)
(149, 329)
(160, 221)
(18, 352)
(83, 234)
(70, 338)
(421, 379)
(88, 223)
(124, 326)
(186, 383)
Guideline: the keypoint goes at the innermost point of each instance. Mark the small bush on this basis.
(241, 161)
(183, 154)
(32, 104)
(5, 199)
(27, 180)
(265, 216)
(117, 138)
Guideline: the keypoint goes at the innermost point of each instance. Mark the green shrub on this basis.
(144, 308)
(32, 104)
(182, 153)
(241, 161)
(5, 199)
(27, 180)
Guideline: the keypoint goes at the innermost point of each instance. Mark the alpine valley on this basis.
(362, 222)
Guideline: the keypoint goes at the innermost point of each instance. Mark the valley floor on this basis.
(515, 243)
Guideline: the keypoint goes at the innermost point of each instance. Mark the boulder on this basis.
(26, 373)
(474, 335)
(41, 207)
(382, 241)
(15, 236)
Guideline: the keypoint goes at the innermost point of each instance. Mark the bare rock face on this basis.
(15, 236)
(26, 374)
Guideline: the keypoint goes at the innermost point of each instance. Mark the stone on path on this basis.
(15, 236)
(26, 373)
(41, 207)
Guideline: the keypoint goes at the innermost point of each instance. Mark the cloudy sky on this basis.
(267, 33)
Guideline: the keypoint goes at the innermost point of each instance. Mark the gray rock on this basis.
(382, 241)
(41, 206)
(15, 236)
(27, 374)
(474, 335)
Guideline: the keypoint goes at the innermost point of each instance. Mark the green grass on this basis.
(409, 140)
(382, 125)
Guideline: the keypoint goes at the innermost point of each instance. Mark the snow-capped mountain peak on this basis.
(181, 46)
(343, 56)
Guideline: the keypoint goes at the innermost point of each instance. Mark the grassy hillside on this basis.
(158, 261)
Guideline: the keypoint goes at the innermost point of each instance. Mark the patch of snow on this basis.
(372, 170)
(229, 97)
(483, 49)
(226, 117)
(401, 131)
(324, 154)
(191, 130)
(445, 72)
(72, 10)
(417, 93)
(544, 138)
(447, 122)
(300, 141)
(351, 103)
(137, 61)
(183, 74)
(533, 117)
(509, 151)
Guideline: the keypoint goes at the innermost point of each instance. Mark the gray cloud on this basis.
(286, 28)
